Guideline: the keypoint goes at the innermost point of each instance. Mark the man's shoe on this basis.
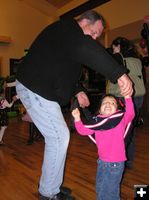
(2, 143)
(65, 190)
(61, 196)
(41, 197)
(65, 194)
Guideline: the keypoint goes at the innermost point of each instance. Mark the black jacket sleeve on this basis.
(90, 53)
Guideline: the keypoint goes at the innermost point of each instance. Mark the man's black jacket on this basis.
(53, 64)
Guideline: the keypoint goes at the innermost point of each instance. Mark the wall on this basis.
(22, 23)
(71, 4)
(124, 17)
(122, 12)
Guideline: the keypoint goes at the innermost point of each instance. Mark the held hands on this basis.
(14, 98)
(125, 85)
(82, 99)
(76, 114)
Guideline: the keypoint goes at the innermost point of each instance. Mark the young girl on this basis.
(124, 51)
(109, 132)
(4, 104)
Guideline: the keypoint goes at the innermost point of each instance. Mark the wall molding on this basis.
(5, 40)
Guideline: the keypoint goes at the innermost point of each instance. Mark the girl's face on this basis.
(116, 49)
(108, 106)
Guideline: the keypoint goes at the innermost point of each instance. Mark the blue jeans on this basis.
(49, 119)
(108, 179)
(138, 102)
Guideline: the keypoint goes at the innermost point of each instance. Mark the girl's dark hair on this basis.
(127, 49)
(120, 105)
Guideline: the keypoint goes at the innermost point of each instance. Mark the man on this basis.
(47, 79)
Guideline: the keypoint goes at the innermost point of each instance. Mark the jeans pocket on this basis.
(116, 167)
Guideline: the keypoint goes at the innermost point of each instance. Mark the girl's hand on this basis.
(76, 114)
(127, 97)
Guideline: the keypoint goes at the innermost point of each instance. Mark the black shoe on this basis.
(61, 196)
(2, 143)
(65, 190)
(41, 197)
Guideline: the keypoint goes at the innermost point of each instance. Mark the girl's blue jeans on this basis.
(48, 118)
(108, 179)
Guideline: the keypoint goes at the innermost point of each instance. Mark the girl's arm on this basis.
(129, 113)
(81, 129)
(7, 104)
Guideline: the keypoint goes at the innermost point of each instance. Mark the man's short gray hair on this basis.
(92, 16)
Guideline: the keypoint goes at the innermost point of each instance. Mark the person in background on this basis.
(4, 104)
(109, 129)
(125, 52)
(47, 79)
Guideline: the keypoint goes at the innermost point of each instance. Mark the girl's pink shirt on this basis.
(110, 143)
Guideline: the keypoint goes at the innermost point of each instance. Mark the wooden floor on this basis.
(20, 164)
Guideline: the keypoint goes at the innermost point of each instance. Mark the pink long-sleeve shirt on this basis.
(110, 143)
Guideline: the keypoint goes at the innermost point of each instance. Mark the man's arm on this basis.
(95, 56)
(92, 54)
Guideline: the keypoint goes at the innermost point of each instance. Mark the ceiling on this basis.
(54, 8)
(58, 3)
(51, 8)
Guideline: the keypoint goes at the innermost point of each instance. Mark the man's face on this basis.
(94, 30)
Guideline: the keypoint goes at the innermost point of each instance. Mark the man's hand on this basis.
(14, 98)
(125, 85)
(83, 99)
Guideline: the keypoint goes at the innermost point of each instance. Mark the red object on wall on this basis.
(146, 19)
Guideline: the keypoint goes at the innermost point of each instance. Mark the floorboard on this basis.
(20, 164)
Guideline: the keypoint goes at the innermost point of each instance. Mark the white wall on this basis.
(121, 12)
(22, 23)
